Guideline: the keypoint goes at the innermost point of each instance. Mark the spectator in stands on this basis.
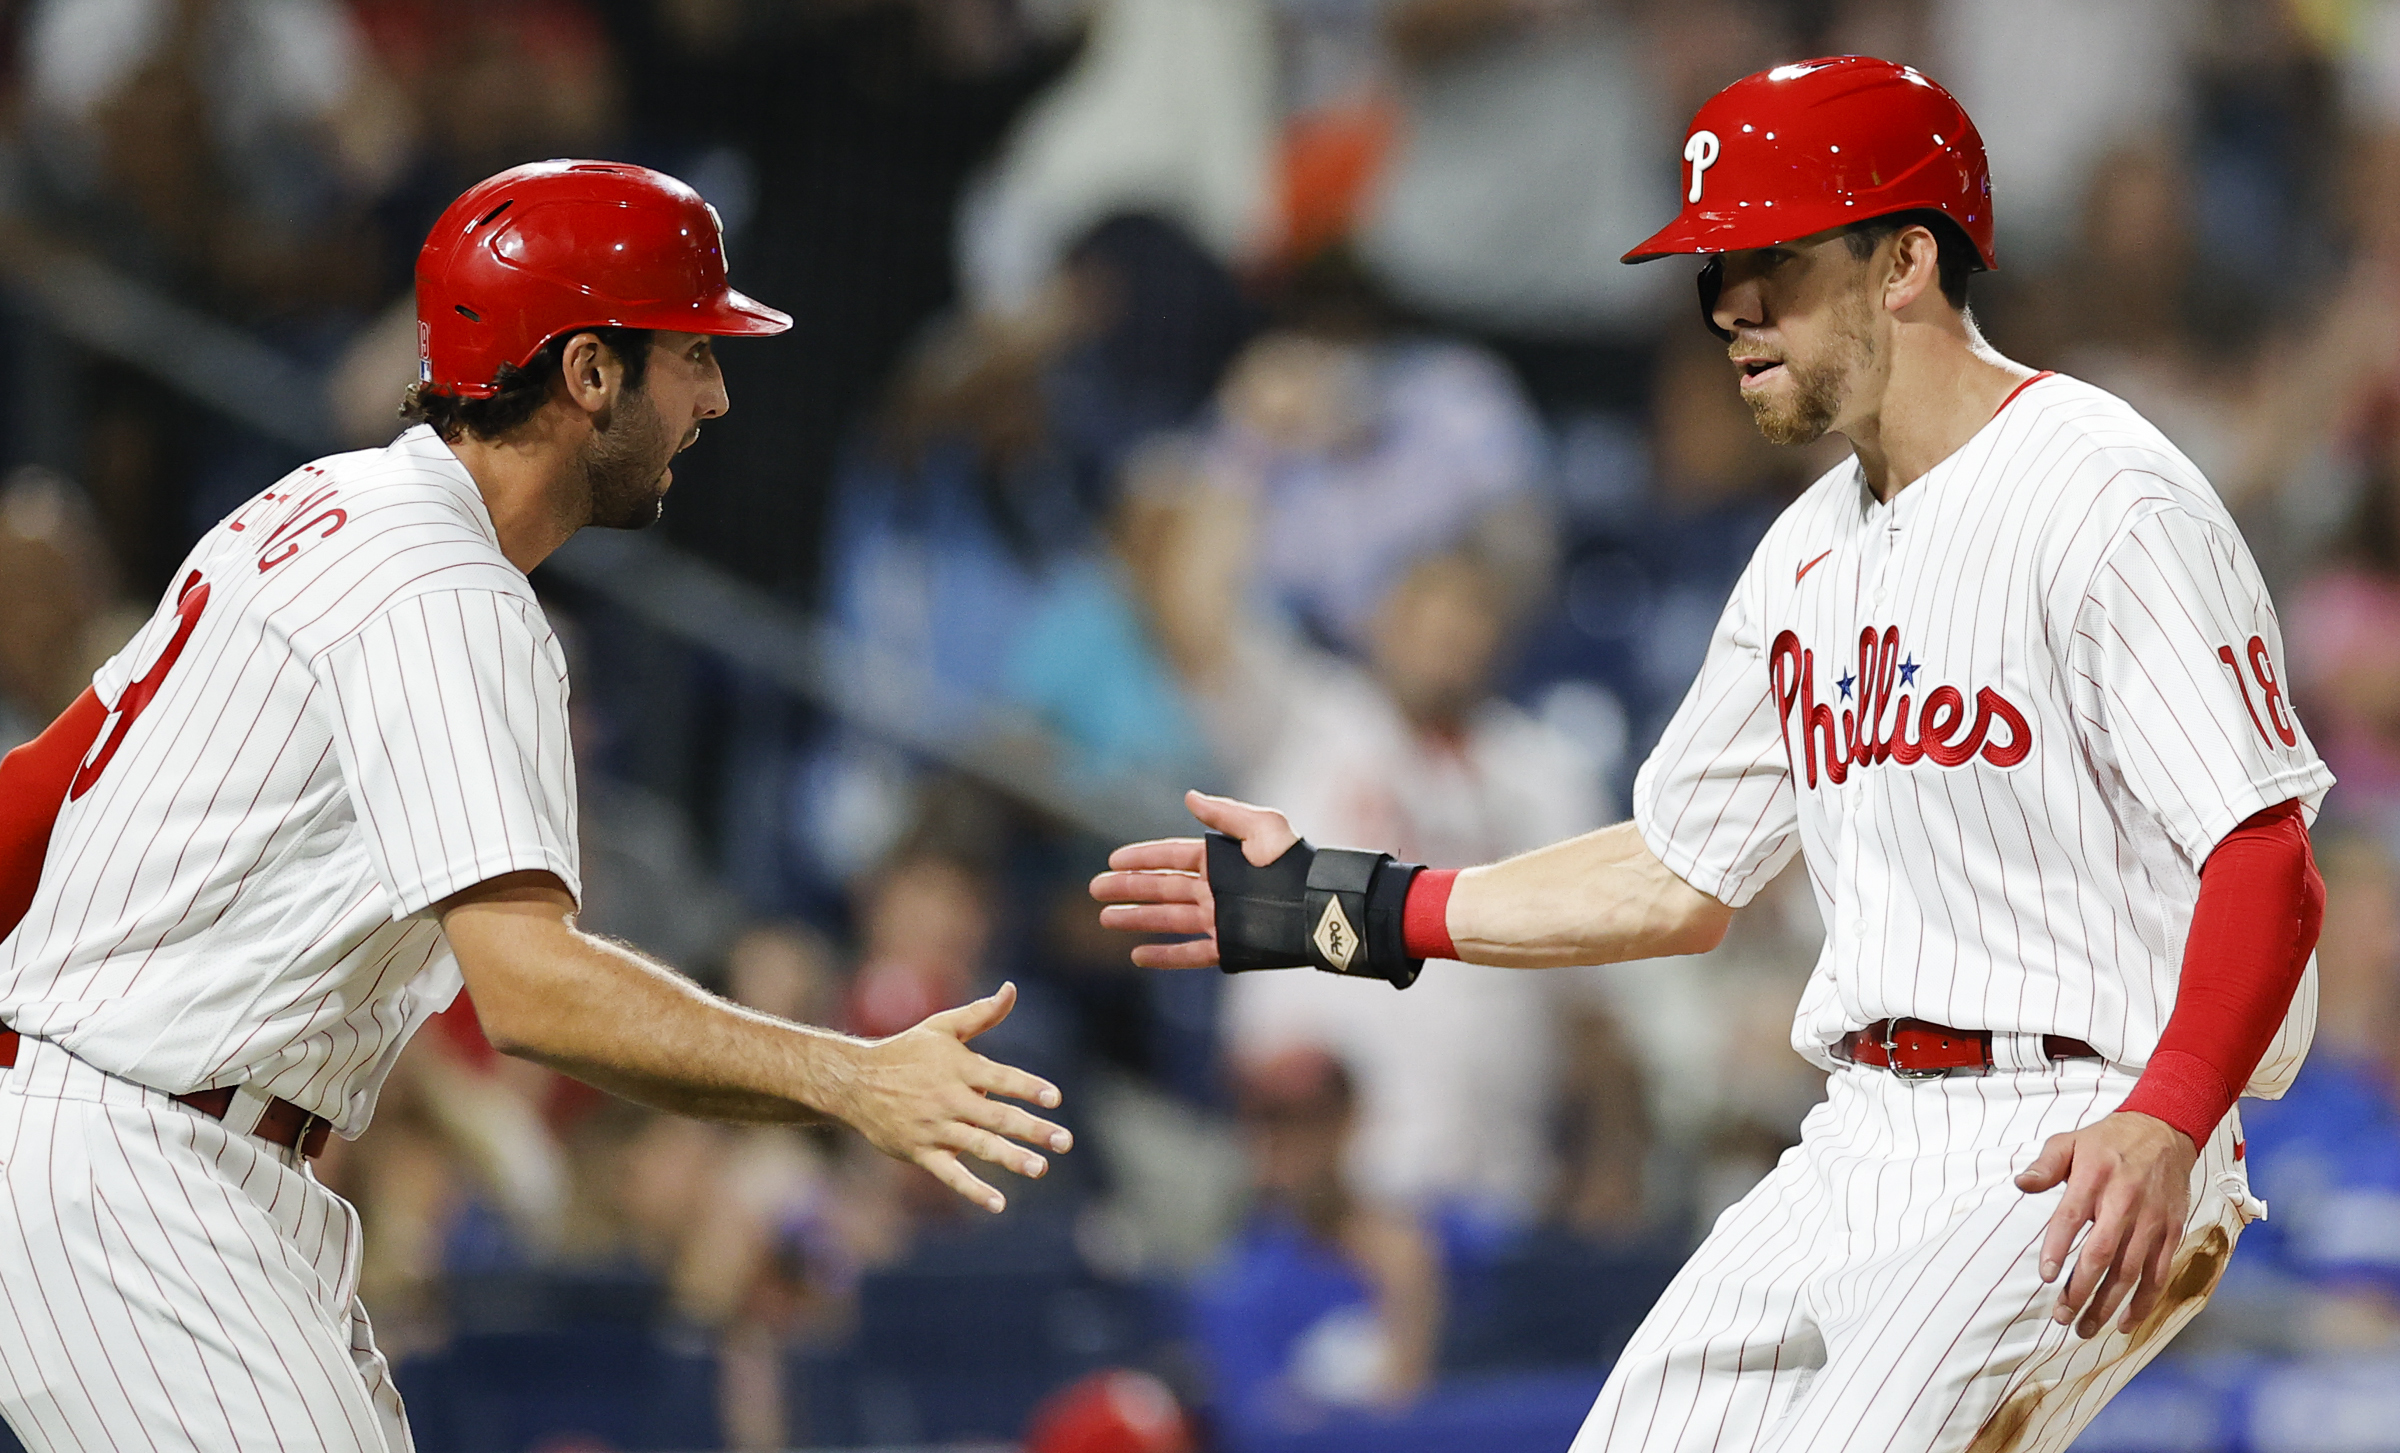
(1458, 1078)
(2326, 1157)
(2059, 81)
(1090, 661)
(485, 87)
(1524, 139)
(226, 148)
(1657, 529)
(925, 928)
(849, 129)
(997, 454)
(466, 1172)
(60, 598)
(1363, 447)
(2141, 310)
(2344, 619)
(1324, 1298)
(1723, 1087)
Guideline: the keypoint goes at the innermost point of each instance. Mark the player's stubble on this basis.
(625, 465)
(1817, 385)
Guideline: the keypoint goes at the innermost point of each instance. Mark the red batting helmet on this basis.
(1808, 147)
(1116, 1411)
(553, 246)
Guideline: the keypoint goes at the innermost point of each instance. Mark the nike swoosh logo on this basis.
(1803, 570)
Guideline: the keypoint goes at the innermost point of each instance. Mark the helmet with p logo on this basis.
(1816, 145)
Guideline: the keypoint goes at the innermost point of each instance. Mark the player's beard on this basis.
(1817, 387)
(625, 463)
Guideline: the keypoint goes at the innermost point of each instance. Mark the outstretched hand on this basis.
(1161, 886)
(2129, 1177)
(922, 1096)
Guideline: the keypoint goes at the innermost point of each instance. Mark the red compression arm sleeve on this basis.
(1425, 917)
(33, 787)
(2261, 902)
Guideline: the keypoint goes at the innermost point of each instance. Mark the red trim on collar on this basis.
(2020, 388)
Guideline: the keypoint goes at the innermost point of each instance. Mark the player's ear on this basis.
(589, 372)
(1915, 268)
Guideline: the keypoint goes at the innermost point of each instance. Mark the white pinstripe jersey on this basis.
(348, 707)
(2004, 717)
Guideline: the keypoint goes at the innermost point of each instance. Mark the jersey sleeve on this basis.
(1715, 801)
(2178, 673)
(450, 718)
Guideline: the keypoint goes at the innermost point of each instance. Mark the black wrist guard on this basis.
(1335, 909)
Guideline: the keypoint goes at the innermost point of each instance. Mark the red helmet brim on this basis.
(1696, 232)
(738, 315)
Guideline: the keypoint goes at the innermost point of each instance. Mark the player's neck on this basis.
(530, 483)
(1943, 385)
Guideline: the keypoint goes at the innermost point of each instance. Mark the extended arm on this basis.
(548, 992)
(1600, 898)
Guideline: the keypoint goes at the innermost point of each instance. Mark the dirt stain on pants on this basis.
(2198, 1267)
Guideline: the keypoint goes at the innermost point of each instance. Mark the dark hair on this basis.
(522, 390)
(1954, 260)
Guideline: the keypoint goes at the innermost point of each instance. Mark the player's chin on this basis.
(634, 514)
(1781, 423)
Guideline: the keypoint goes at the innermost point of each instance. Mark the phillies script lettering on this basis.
(1881, 726)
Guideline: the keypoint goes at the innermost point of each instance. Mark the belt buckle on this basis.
(1891, 1056)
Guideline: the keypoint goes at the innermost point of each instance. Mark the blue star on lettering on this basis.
(1846, 682)
(1908, 672)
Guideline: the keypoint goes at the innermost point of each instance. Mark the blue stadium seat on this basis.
(946, 1352)
(1552, 1300)
(507, 1392)
(1528, 1410)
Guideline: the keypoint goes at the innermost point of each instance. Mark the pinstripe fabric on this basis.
(166, 1284)
(2003, 718)
(363, 713)
(1877, 1292)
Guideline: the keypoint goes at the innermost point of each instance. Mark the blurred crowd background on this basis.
(1241, 394)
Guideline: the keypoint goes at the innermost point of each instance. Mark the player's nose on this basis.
(1740, 305)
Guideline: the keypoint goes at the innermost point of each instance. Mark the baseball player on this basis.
(2008, 682)
(329, 780)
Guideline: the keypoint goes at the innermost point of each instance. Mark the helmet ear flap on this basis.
(1712, 282)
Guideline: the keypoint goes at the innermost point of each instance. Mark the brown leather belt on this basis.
(1915, 1050)
(282, 1124)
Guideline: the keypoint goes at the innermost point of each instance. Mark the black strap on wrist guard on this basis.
(1335, 909)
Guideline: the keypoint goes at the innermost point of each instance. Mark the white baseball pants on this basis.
(1879, 1291)
(168, 1284)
